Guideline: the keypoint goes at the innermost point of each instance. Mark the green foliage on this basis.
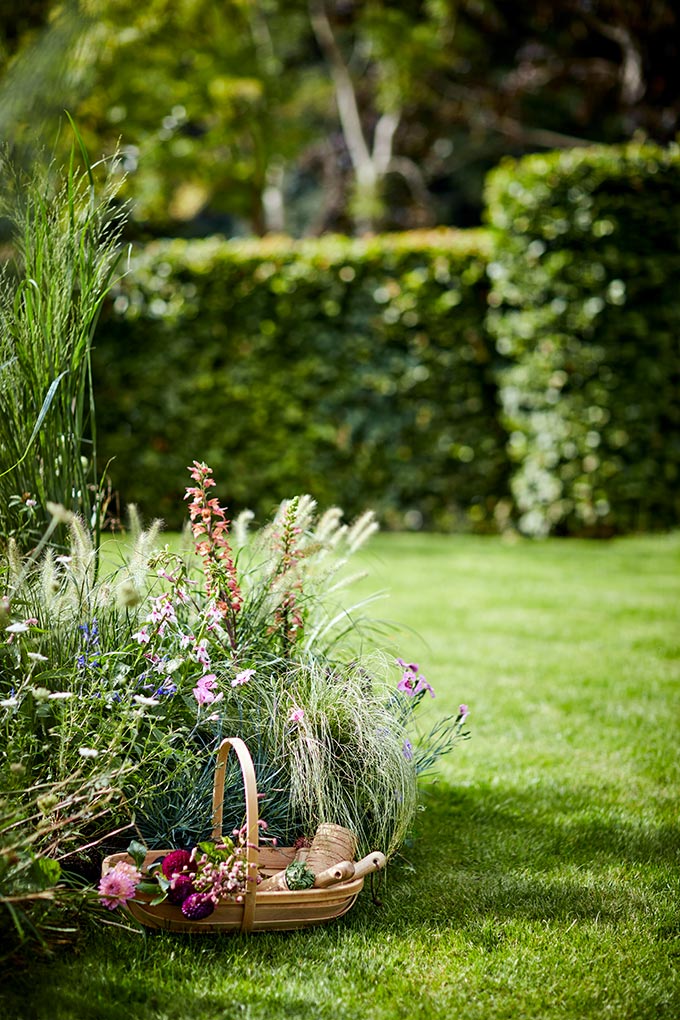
(64, 230)
(355, 370)
(41, 903)
(584, 306)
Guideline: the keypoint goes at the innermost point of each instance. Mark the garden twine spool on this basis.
(331, 844)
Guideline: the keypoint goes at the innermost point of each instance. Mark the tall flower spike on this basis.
(210, 527)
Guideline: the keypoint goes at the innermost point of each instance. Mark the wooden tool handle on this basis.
(374, 861)
(340, 872)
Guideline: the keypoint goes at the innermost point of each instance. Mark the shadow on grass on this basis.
(495, 853)
(485, 859)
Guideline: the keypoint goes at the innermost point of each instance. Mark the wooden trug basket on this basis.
(259, 911)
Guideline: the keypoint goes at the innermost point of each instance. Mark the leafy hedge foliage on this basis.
(585, 306)
(358, 371)
(362, 371)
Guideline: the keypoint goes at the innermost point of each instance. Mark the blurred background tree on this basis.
(249, 116)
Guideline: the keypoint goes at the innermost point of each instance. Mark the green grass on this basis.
(543, 879)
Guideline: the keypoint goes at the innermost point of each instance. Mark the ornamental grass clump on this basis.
(65, 240)
(43, 902)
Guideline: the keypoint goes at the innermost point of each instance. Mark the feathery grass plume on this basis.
(291, 574)
(82, 554)
(329, 527)
(344, 754)
(239, 530)
(134, 577)
(65, 241)
(361, 530)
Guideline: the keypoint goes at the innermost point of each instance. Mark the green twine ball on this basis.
(299, 876)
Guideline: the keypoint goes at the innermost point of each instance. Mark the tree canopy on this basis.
(315, 115)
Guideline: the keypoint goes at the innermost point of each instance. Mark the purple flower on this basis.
(423, 685)
(204, 691)
(412, 667)
(407, 750)
(412, 682)
(166, 689)
(407, 684)
(197, 906)
(181, 888)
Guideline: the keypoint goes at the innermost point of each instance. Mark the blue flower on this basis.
(166, 689)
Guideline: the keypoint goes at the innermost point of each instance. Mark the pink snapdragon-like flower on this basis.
(202, 654)
(204, 691)
(118, 885)
(463, 712)
(142, 636)
(296, 715)
(210, 529)
(243, 677)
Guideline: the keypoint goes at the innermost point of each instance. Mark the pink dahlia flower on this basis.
(118, 885)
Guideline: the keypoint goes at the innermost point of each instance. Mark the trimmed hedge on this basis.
(363, 372)
(585, 304)
(358, 371)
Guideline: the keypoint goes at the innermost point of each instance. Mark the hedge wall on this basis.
(358, 371)
(364, 373)
(585, 305)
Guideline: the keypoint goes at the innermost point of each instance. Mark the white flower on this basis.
(61, 695)
(9, 703)
(17, 628)
(88, 752)
(37, 657)
(141, 700)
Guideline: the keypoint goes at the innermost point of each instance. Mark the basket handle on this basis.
(252, 828)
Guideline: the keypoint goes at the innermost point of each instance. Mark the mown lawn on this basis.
(544, 876)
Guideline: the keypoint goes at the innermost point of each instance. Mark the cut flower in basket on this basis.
(196, 881)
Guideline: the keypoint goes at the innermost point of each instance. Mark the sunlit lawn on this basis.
(543, 880)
